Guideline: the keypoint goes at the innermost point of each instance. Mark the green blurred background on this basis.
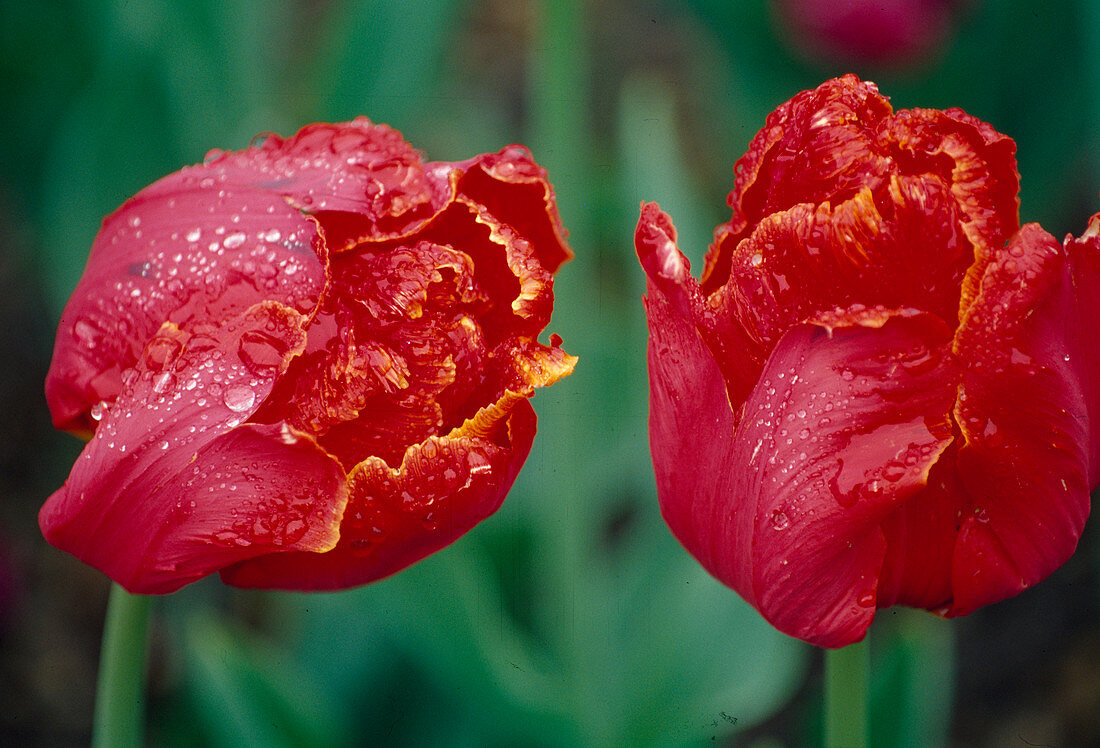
(571, 617)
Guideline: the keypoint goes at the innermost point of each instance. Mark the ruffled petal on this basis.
(395, 517)
(1027, 408)
(816, 147)
(517, 192)
(173, 487)
(412, 340)
(907, 249)
(825, 146)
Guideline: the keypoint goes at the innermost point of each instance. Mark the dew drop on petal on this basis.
(163, 382)
(234, 240)
(780, 521)
(239, 397)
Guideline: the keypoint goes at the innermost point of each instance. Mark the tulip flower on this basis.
(305, 365)
(870, 32)
(882, 390)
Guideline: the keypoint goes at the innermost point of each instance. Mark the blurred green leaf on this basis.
(251, 691)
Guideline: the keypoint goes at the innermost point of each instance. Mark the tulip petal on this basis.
(411, 340)
(809, 259)
(848, 417)
(920, 540)
(826, 145)
(1028, 411)
(395, 517)
(173, 253)
(361, 181)
(517, 192)
(675, 304)
(173, 487)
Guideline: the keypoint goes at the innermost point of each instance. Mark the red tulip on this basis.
(877, 32)
(306, 364)
(882, 391)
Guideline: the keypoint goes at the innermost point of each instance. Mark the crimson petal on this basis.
(395, 517)
(1028, 410)
(172, 487)
(848, 417)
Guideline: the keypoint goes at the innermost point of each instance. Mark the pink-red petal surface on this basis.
(842, 425)
(173, 487)
(395, 517)
(1026, 408)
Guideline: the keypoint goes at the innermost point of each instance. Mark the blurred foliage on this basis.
(571, 617)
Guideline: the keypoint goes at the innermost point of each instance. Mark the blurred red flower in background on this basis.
(882, 391)
(875, 32)
(306, 364)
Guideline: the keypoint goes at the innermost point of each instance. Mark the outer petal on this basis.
(676, 306)
(1027, 409)
(921, 537)
(171, 487)
(360, 180)
(844, 424)
(444, 487)
(837, 451)
(198, 245)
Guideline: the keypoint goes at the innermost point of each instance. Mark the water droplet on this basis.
(867, 599)
(234, 240)
(85, 333)
(239, 397)
(990, 429)
(99, 410)
(361, 547)
(756, 260)
(193, 235)
(161, 352)
(780, 521)
(261, 353)
(163, 381)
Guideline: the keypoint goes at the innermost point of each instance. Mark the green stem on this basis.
(847, 672)
(120, 692)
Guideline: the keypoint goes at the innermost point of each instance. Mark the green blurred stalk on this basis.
(120, 690)
(847, 673)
